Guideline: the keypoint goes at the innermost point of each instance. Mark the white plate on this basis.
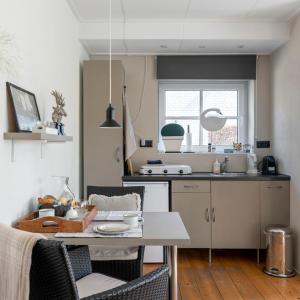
(111, 228)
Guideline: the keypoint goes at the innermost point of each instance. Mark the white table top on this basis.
(160, 228)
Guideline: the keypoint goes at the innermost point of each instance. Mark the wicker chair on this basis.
(54, 273)
(123, 269)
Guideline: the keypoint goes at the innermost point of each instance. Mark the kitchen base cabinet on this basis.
(194, 210)
(274, 206)
(191, 198)
(230, 214)
(235, 214)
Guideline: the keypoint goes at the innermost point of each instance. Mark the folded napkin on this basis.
(15, 262)
(115, 215)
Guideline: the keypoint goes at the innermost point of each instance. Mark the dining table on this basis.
(159, 229)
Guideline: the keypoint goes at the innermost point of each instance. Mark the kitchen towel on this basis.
(15, 262)
(130, 142)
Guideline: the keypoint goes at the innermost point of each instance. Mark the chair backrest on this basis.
(51, 275)
(117, 191)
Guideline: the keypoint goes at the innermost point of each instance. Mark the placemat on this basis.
(89, 233)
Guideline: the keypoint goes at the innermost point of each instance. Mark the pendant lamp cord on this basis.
(110, 52)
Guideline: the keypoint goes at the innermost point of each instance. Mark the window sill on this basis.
(203, 152)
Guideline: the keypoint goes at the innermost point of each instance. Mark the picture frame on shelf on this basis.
(25, 107)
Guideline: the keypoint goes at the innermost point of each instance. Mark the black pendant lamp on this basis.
(110, 121)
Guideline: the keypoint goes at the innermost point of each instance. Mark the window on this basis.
(183, 102)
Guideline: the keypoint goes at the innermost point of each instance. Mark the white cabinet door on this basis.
(275, 205)
(156, 199)
(235, 214)
(194, 210)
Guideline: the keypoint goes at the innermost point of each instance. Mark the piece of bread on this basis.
(46, 200)
(63, 200)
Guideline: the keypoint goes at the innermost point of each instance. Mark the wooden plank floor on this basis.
(233, 275)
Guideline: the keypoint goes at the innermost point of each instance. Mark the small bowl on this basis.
(60, 211)
(131, 219)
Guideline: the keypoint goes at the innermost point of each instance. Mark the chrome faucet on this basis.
(224, 165)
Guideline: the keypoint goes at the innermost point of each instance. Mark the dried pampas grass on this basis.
(7, 53)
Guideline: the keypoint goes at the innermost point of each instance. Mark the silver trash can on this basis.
(279, 260)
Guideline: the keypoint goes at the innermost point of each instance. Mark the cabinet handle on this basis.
(190, 186)
(207, 215)
(277, 187)
(213, 215)
(117, 154)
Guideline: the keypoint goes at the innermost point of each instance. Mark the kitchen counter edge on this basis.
(206, 176)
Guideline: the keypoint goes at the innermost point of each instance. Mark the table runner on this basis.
(89, 233)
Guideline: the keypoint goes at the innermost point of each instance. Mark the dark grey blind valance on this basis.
(207, 67)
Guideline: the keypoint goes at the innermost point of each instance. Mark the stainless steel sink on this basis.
(229, 174)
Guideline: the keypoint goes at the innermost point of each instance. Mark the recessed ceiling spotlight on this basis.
(241, 46)
(201, 46)
(163, 46)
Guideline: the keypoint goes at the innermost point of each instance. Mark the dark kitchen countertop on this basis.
(206, 176)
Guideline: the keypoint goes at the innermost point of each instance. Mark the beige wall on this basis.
(47, 56)
(285, 120)
(262, 116)
(146, 122)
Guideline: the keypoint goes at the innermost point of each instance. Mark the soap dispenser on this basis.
(216, 167)
(188, 136)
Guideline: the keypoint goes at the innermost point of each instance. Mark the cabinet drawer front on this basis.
(190, 186)
(280, 186)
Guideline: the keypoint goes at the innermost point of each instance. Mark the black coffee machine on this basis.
(269, 166)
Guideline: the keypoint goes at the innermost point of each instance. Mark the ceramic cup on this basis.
(131, 219)
(71, 214)
(46, 212)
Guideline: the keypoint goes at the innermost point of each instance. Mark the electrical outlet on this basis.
(146, 143)
(263, 144)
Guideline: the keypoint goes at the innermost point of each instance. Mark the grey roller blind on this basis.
(206, 67)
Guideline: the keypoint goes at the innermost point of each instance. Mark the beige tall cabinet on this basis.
(102, 148)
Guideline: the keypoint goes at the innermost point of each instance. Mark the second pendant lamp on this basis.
(110, 121)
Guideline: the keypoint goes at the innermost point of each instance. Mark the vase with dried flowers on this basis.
(59, 111)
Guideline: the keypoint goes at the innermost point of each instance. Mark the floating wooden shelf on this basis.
(30, 136)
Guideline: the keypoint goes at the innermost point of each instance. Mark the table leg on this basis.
(173, 272)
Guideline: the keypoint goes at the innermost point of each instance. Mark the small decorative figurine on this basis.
(59, 111)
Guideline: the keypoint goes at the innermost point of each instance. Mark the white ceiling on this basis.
(99, 47)
(185, 26)
(97, 10)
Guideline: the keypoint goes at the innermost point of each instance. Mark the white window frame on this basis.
(201, 85)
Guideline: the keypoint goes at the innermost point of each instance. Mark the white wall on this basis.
(48, 54)
(285, 120)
